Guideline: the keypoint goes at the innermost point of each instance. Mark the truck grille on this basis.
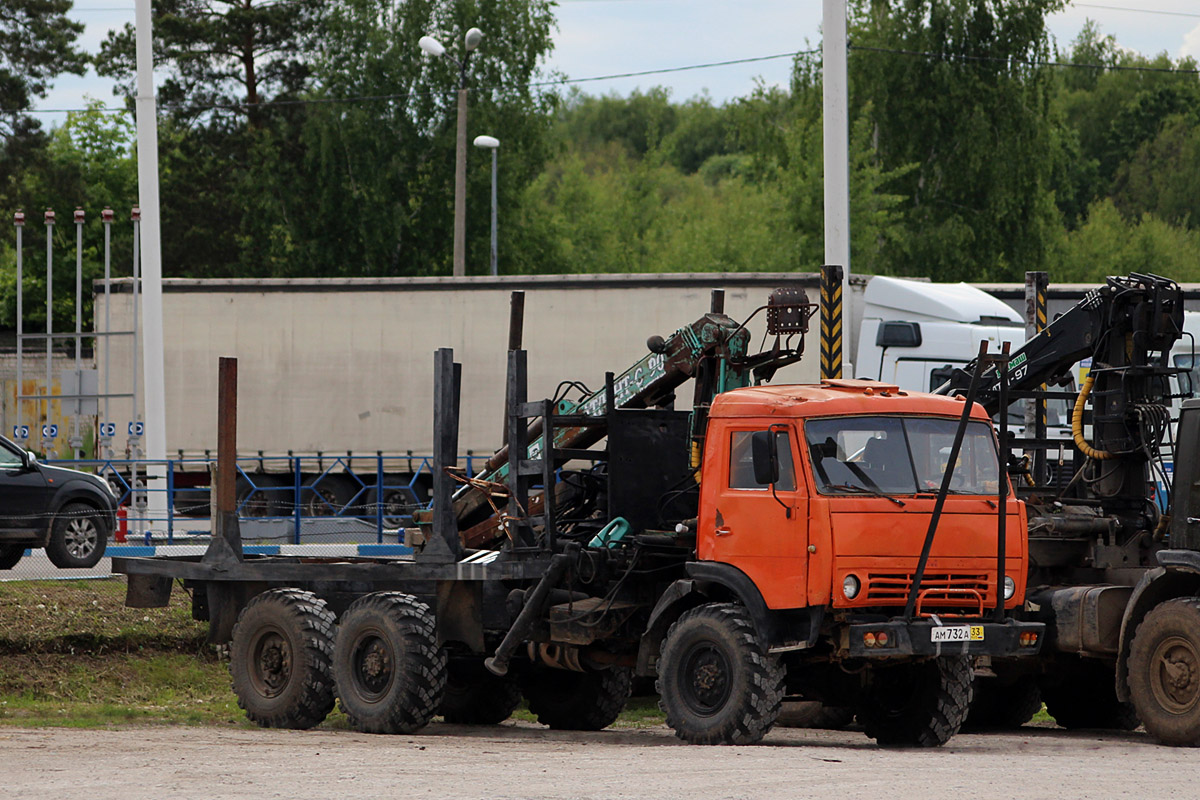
(937, 589)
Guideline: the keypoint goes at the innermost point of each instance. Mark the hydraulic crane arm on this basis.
(1128, 324)
(713, 350)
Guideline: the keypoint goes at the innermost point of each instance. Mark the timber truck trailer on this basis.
(846, 542)
(1114, 566)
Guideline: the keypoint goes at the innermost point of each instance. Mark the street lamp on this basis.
(436, 49)
(493, 144)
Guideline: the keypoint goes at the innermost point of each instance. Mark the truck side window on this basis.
(741, 462)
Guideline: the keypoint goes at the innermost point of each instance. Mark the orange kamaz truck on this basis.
(846, 542)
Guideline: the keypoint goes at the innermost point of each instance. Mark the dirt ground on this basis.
(522, 760)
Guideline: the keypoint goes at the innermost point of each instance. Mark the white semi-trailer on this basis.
(334, 371)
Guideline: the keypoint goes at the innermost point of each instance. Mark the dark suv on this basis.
(70, 513)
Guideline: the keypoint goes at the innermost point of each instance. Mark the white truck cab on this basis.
(913, 332)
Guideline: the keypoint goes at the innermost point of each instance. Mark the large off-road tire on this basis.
(388, 667)
(1000, 706)
(577, 701)
(1084, 696)
(716, 680)
(1164, 671)
(77, 538)
(812, 714)
(475, 696)
(10, 554)
(280, 659)
(921, 704)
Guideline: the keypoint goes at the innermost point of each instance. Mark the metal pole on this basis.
(147, 153)
(516, 331)
(495, 269)
(136, 216)
(836, 140)
(460, 182)
(49, 314)
(1002, 499)
(106, 216)
(19, 222)
(76, 428)
(831, 322)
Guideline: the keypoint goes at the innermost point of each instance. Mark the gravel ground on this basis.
(522, 760)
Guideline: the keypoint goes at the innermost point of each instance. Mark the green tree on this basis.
(947, 87)
(88, 163)
(1108, 244)
(233, 54)
(374, 192)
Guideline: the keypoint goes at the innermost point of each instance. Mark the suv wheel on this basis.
(78, 538)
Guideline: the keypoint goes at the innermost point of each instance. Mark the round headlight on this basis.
(1010, 587)
(850, 587)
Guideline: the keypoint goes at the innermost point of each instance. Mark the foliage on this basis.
(88, 163)
(37, 43)
(306, 138)
(1108, 244)
(973, 117)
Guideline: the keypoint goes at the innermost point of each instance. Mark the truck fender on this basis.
(724, 580)
(1179, 577)
(679, 597)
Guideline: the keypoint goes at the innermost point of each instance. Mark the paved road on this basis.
(521, 760)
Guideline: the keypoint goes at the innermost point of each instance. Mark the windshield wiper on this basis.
(847, 487)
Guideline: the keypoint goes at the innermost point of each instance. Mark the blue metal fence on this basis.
(297, 497)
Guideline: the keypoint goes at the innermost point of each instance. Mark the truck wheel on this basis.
(1164, 671)
(390, 671)
(717, 683)
(1086, 697)
(577, 701)
(917, 705)
(280, 659)
(1003, 706)
(475, 696)
(78, 538)
(811, 714)
(10, 554)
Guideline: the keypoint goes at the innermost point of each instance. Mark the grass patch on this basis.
(90, 617)
(72, 655)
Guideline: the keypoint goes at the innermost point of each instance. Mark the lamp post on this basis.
(436, 49)
(493, 144)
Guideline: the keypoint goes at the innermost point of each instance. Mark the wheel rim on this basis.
(322, 502)
(707, 682)
(373, 665)
(81, 537)
(271, 664)
(1175, 675)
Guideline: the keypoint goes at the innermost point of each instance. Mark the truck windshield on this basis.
(899, 455)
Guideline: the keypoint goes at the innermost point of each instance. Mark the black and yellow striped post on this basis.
(831, 322)
(1036, 287)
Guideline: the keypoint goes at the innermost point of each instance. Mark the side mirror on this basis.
(30, 459)
(766, 458)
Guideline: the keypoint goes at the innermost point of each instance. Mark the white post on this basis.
(837, 149)
(151, 235)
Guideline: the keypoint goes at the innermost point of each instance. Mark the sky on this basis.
(605, 37)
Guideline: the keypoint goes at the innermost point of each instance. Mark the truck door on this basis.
(762, 533)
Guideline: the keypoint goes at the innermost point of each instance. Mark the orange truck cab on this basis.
(840, 531)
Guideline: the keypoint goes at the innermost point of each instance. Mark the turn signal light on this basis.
(877, 639)
(1028, 639)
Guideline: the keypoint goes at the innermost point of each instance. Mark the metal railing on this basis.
(292, 499)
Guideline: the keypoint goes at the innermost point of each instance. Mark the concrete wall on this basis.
(335, 365)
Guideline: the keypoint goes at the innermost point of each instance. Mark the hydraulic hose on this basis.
(1077, 424)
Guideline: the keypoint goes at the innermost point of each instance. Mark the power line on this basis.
(616, 76)
(1018, 60)
(379, 97)
(1138, 10)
